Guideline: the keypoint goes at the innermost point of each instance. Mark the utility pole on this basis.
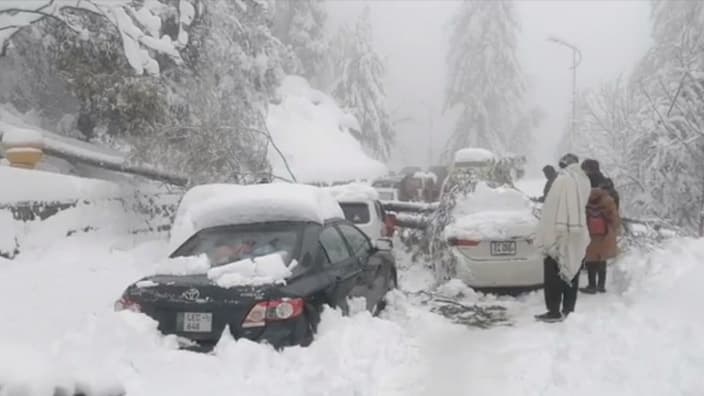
(576, 60)
(430, 138)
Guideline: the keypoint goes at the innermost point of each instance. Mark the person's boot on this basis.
(550, 317)
(601, 289)
(589, 290)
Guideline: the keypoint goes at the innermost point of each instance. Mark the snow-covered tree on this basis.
(301, 26)
(142, 32)
(359, 86)
(649, 131)
(485, 78)
(217, 132)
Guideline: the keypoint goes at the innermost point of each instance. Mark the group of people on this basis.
(579, 228)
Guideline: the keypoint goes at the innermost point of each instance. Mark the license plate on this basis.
(503, 248)
(195, 322)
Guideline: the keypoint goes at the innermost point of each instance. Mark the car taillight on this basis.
(273, 310)
(462, 242)
(126, 304)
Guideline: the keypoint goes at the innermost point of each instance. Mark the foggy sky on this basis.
(412, 38)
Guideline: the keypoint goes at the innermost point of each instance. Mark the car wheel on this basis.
(312, 319)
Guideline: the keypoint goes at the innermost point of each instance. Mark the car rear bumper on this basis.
(279, 335)
(499, 273)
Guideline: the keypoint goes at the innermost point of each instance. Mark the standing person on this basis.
(550, 174)
(593, 170)
(563, 238)
(604, 223)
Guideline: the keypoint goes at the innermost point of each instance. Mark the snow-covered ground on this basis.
(644, 337)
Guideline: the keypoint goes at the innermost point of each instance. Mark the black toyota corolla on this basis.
(329, 264)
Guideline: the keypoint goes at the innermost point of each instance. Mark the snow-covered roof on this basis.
(474, 155)
(214, 205)
(491, 213)
(353, 192)
(313, 134)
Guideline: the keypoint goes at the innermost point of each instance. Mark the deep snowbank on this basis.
(38, 209)
(313, 134)
(641, 338)
(66, 333)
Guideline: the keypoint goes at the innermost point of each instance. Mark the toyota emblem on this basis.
(191, 294)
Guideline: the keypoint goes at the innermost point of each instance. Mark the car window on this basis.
(224, 245)
(359, 243)
(333, 245)
(356, 212)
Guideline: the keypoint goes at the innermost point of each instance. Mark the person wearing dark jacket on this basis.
(603, 210)
(593, 170)
(550, 174)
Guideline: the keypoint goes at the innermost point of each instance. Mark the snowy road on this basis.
(644, 337)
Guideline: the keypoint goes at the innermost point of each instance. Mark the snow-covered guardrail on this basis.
(36, 207)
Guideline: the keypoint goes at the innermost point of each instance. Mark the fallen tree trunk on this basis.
(403, 206)
(405, 220)
(149, 173)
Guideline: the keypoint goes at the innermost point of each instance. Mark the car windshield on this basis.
(224, 245)
(356, 212)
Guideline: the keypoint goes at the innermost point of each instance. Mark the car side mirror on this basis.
(383, 244)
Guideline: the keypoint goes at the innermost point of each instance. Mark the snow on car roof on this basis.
(474, 155)
(214, 205)
(353, 192)
(426, 175)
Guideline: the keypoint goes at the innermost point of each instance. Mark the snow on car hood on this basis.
(267, 269)
(492, 213)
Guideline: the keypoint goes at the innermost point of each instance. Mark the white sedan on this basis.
(491, 238)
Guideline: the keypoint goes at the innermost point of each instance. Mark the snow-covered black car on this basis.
(261, 261)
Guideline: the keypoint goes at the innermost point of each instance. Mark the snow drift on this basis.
(313, 134)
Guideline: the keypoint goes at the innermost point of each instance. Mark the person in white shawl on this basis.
(563, 237)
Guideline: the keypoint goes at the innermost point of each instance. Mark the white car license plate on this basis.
(503, 248)
(196, 322)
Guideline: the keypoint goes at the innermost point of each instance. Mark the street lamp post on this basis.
(576, 60)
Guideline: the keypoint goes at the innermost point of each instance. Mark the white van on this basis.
(360, 204)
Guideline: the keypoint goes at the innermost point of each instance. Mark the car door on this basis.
(372, 285)
(340, 266)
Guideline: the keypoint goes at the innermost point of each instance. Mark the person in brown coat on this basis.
(605, 224)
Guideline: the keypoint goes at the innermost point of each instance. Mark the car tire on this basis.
(312, 315)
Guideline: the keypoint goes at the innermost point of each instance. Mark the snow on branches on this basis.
(485, 79)
(138, 23)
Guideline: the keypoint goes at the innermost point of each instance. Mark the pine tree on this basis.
(485, 77)
(649, 131)
(359, 86)
(301, 26)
